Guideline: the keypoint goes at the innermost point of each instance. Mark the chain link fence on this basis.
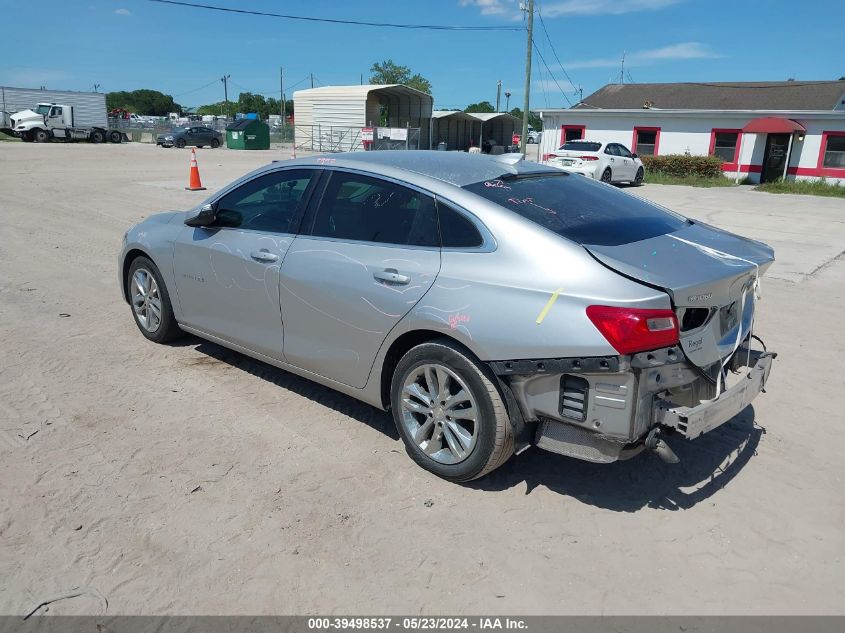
(310, 138)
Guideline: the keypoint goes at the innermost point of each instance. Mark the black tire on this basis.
(40, 136)
(494, 442)
(115, 136)
(215, 143)
(607, 176)
(180, 143)
(638, 179)
(97, 136)
(167, 330)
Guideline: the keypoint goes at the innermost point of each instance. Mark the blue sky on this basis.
(129, 44)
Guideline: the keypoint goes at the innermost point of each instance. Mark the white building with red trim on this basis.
(762, 130)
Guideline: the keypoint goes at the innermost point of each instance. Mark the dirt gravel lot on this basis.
(192, 480)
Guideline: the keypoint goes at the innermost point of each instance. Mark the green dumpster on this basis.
(248, 134)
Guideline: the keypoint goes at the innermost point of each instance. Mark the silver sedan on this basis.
(491, 304)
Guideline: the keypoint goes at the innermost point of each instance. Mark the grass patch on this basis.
(661, 178)
(803, 187)
(6, 137)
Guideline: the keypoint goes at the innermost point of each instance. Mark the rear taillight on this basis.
(631, 330)
(588, 157)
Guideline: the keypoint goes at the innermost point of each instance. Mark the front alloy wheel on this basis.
(151, 302)
(146, 300)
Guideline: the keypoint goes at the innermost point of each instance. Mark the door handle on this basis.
(391, 275)
(264, 256)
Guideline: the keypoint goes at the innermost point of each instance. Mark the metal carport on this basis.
(356, 107)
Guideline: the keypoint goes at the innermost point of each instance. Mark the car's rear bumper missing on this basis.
(692, 422)
(602, 409)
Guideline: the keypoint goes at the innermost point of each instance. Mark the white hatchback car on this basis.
(608, 162)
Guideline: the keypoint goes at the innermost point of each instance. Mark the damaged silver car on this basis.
(491, 304)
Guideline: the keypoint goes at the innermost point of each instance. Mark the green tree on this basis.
(388, 72)
(481, 106)
(534, 119)
(146, 102)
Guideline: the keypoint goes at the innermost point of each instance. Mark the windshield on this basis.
(581, 146)
(42, 109)
(580, 209)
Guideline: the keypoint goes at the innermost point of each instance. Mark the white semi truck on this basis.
(42, 115)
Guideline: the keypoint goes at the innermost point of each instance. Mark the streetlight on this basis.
(507, 100)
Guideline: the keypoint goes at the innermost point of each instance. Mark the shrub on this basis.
(683, 166)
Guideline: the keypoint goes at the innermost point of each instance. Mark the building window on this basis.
(725, 144)
(646, 141)
(833, 150)
(571, 133)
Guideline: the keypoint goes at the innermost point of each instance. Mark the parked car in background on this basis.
(198, 136)
(490, 303)
(533, 136)
(608, 162)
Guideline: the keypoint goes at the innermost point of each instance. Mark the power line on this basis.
(434, 27)
(554, 52)
(542, 59)
(181, 94)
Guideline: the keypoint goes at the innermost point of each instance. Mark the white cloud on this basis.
(684, 50)
(122, 12)
(603, 7)
(508, 9)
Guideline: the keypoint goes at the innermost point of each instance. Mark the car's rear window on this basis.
(581, 146)
(580, 209)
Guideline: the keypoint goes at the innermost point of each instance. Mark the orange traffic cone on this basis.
(194, 182)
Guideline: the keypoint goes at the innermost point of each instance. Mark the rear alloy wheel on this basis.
(638, 179)
(151, 302)
(607, 176)
(449, 412)
(180, 143)
(40, 136)
(215, 143)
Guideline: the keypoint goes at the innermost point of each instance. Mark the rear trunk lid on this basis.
(709, 274)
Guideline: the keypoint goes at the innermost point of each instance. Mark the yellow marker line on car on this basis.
(548, 306)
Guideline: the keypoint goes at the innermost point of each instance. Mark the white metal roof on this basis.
(488, 116)
(360, 91)
(458, 114)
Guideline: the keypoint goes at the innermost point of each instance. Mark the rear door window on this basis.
(581, 209)
(364, 209)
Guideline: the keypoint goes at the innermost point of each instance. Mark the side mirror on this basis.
(206, 216)
(634, 156)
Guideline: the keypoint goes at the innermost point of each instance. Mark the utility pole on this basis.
(498, 94)
(96, 87)
(622, 70)
(527, 101)
(312, 80)
(282, 91)
(225, 80)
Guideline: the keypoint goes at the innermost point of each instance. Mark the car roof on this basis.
(456, 168)
(585, 140)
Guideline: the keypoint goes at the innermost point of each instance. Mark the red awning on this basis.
(773, 125)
